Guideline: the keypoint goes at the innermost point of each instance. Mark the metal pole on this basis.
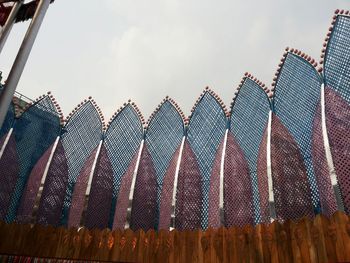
(5, 32)
(21, 59)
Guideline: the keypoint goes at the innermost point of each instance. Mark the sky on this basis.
(144, 50)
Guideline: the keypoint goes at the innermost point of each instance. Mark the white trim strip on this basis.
(6, 142)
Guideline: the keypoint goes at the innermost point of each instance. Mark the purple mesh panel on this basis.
(327, 197)
(25, 210)
(214, 192)
(189, 192)
(100, 199)
(8, 175)
(338, 126)
(144, 203)
(238, 195)
(290, 184)
(123, 198)
(78, 199)
(167, 193)
(52, 198)
(263, 179)
(2, 140)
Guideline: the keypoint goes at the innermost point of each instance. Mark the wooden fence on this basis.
(317, 240)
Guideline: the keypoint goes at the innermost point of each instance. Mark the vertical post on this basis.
(5, 32)
(21, 59)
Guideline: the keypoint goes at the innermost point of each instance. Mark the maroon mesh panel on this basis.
(144, 204)
(78, 198)
(100, 199)
(2, 140)
(25, 210)
(327, 196)
(214, 192)
(238, 195)
(122, 204)
(189, 192)
(290, 184)
(8, 175)
(51, 202)
(263, 184)
(167, 193)
(338, 126)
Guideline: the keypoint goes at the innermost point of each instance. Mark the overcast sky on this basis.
(114, 50)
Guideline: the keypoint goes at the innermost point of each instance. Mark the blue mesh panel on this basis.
(206, 130)
(337, 59)
(9, 119)
(80, 137)
(249, 117)
(163, 137)
(295, 101)
(34, 131)
(122, 140)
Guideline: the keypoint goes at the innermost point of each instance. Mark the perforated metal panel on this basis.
(263, 184)
(144, 203)
(29, 197)
(337, 57)
(327, 197)
(214, 218)
(79, 138)
(290, 184)
(100, 199)
(7, 125)
(8, 176)
(295, 101)
(52, 197)
(79, 193)
(189, 192)
(163, 136)
(35, 131)
(238, 193)
(166, 199)
(248, 121)
(122, 141)
(337, 101)
(338, 128)
(206, 129)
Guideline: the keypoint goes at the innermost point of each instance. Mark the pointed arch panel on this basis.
(249, 116)
(206, 129)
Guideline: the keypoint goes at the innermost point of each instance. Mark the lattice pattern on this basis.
(165, 209)
(238, 196)
(144, 203)
(248, 119)
(78, 199)
(337, 57)
(189, 192)
(82, 133)
(25, 210)
(100, 199)
(122, 141)
(8, 123)
(295, 101)
(337, 99)
(214, 194)
(163, 136)
(338, 126)
(51, 202)
(35, 131)
(8, 176)
(327, 197)
(263, 184)
(290, 184)
(122, 204)
(206, 128)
